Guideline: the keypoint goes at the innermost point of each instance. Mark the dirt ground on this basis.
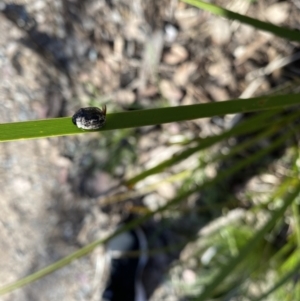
(57, 56)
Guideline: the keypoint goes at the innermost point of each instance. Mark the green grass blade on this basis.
(64, 126)
(249, 247)
(237, 167)
(280, 283)
(296, 217)
(283, 32)
(75, 255)
(248, 126)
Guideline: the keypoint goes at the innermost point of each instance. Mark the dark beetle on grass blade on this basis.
(91, 118)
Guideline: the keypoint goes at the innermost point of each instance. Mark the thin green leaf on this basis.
(283, 32)
(280, 283)
(248, 126)
(64, 126)
(249, 247)
(75, 255)
(296, 217)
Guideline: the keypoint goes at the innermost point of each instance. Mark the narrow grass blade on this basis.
(68, 259)
(64, 126)
(250, 246)
(280, 283)
(248, 126)
(296, 217)
(283, 32)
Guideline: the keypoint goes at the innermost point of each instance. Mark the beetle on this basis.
(91, 118)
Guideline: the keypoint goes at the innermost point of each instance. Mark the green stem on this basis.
(283, 32)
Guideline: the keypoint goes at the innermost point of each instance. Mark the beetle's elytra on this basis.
(91, 118)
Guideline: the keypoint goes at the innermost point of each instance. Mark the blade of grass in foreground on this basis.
(64, 126)
(283, 32)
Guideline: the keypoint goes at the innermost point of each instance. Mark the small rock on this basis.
(184, 72)
(277, 13)
(171, 33)
(189, 276)
(166, 191)
(176, 55)
(170, 91)
(188, 18)
(148, 91)
(220, 31)
(153, 201)
(217, 93)
(124, 97)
